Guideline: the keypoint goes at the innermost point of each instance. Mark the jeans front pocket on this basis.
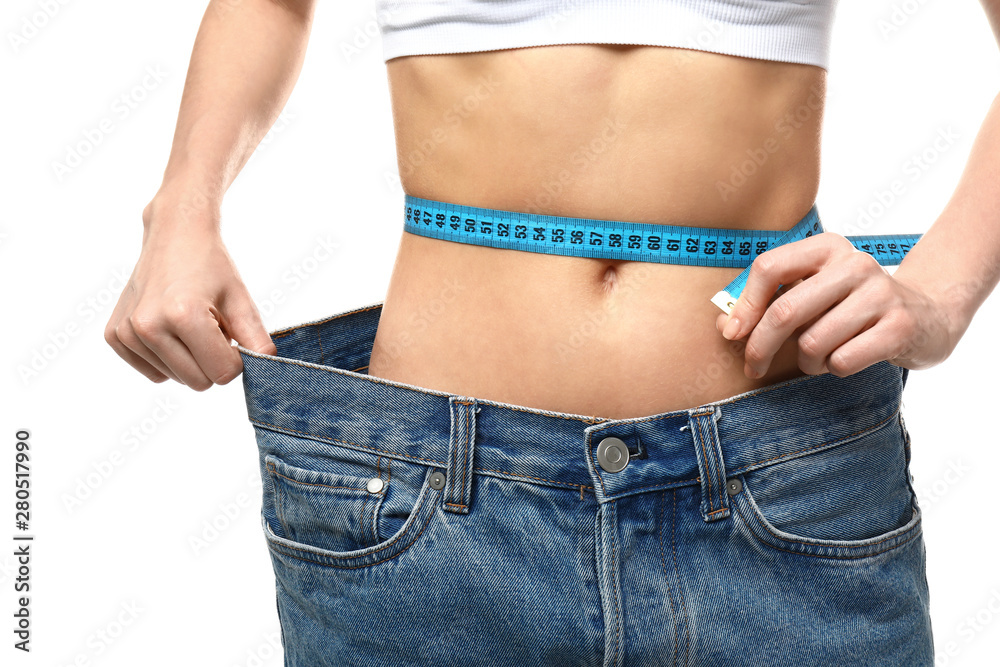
(852, 499)
(341, 506)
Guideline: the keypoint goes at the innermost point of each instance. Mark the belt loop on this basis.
(461, 454)
(711, 467)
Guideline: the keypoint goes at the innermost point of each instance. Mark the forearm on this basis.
(246, 59)
(957, 261)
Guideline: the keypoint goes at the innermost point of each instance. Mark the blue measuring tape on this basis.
(635, 241)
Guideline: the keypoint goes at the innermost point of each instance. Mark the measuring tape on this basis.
(635, 241)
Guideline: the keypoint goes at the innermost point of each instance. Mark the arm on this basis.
(959, 274)
(850, 313)
(185, 301)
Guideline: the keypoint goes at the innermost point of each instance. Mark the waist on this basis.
(317, 386)
(645, 134)
(640, 133)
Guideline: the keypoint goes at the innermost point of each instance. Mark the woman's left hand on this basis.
(850, 311)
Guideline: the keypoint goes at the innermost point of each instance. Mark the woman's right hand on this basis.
(184, 305)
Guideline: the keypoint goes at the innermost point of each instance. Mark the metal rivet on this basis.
(437, 480)
(612, 454)
(375, 485)
(734, 486)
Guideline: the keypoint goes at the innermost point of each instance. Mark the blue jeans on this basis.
(411, 527)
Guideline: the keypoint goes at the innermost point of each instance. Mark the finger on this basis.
(781, 265)
(720, 322)
(879, 342)
(133, 359)
(797, 306)
(210, 347)
(125, 332)
(849, 319)
(245, 326)
(178, 358)
(157, 334)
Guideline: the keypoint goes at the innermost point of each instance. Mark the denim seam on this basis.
(319, 341)
(836, 546)
(279, 547)
(747, 468)
(270, 467)
(286, 430)
(469, 416)
(666, 577)
(687, 626)
(509, 475)
(708, 465)
(281, 333)
(377, 380)
(832, 443)
(660, 485)
(417, 510)
(616, 590)
(384, 492)
(277, 503)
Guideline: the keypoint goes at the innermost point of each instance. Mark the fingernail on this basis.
(732, 328)
(754, 373)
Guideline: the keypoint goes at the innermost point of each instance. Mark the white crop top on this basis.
(783, 30)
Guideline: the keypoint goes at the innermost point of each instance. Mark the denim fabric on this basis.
(407, 526)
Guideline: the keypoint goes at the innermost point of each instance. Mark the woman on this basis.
(531, 458)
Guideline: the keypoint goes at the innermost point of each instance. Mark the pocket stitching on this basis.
(361, 448)
(757, 518)
(330, 554)
(781, 458)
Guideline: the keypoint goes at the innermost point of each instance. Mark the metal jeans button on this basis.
(612, 454)
(437, 480)
(734, 486)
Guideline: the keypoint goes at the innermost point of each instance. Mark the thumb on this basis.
(246, 328)
(720, 321)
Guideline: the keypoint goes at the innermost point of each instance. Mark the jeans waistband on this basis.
(316, 387)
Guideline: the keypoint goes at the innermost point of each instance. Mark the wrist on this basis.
(952, 303)
(189, 207)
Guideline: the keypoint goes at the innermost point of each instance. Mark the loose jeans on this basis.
(412, 527)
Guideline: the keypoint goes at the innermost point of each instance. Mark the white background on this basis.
(122, 551)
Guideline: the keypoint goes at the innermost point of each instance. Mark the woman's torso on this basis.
(635, 133)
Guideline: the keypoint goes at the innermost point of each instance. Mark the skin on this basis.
(504, 129)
